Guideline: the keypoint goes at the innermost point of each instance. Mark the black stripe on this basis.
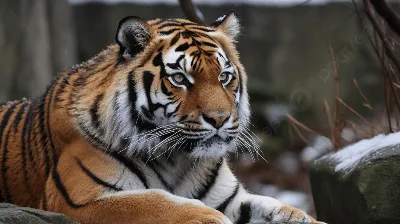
(60, 186)
(245, 211)
(176, 65)
(169, 24)
(164, 89)
(225, 204)
(175, 39)
(148, 79)
(209, 182)
(42, 128)
(168, 32)
(241, 85)
(92, 138)
(183, 118)
(206, 36)
(44, 200)
(157, 60)
(48, 130)
(163, 181)
(23, 147)
(62, 85)
(189, 24)
(209, 44)
(132, 97)
(30, 118)
(132, 167)
(189, 34)
(5, 119)
(3, 125)
(18, 117)
(95, 178)
(182, 47)
(94, 112)
(168, 115)
(291, 214)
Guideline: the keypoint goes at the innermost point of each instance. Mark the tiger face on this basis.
(185, 84)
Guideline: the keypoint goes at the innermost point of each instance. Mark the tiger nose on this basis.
(216, 119)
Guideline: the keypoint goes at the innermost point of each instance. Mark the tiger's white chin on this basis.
(216, 149)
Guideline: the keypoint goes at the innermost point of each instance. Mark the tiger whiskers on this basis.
(167, 140)
(171, 148)
(250, 141)
(136, 141)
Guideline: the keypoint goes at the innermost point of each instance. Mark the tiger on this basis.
(140, 133)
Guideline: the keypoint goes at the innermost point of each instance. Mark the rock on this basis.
(10, 213)
(359, 186)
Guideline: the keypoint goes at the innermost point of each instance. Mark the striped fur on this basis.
(139, 133)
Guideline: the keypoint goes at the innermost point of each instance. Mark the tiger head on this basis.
(180, 86)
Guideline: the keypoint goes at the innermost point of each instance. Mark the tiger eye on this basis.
(178, 77)
(223, 77)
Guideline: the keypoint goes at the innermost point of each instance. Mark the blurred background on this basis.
(290, 48)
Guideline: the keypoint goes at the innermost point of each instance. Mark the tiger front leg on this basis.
(147, 207)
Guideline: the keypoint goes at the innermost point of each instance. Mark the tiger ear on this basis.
(228, 24)
(133, 34)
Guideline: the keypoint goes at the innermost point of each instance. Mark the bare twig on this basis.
(191, 11)
(298, 123)
(394, 73)
(356, 113)
(387, 97)
(396, 85)
(300, 134)
(368, 104)
(337, 129)
(328, 114)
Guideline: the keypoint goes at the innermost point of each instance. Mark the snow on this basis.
(275, 113)
(350, 156)
(296, 199)
(348, 134)
(288, 162)
(321, 145)
(213, 2)
(268, 190)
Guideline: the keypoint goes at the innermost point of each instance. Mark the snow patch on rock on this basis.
(350, 156)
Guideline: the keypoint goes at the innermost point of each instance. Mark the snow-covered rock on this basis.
(359, 183)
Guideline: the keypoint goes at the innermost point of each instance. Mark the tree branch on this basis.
(191, 12)
(388, 48)
(391, 17)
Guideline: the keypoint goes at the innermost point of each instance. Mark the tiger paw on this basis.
(290, 213)
(263, 209)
